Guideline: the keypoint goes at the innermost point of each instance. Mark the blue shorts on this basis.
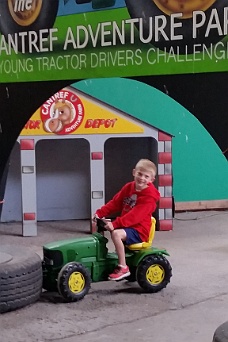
(132, 236)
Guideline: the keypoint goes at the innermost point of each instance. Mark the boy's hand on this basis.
(109, 225)
(95, 216)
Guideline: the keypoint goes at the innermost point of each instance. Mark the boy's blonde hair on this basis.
(146, 165)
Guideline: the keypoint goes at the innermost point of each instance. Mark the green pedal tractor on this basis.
(70, 266)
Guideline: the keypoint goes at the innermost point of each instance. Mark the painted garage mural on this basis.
(128, 86)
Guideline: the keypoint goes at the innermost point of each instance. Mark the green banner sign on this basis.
(39, 42)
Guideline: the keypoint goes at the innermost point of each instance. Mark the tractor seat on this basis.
(147, 244)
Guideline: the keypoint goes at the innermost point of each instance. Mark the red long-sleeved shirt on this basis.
(136, 208)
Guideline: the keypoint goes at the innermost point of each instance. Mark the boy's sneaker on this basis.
(119, 273)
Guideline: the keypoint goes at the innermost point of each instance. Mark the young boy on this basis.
(136, 201)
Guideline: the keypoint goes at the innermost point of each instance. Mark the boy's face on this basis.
(142, 178)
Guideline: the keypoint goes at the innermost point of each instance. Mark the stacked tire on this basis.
(221, 333)
(20, 277)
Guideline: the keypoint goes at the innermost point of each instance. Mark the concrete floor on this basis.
(190, 309)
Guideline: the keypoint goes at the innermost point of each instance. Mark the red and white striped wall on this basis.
(165, 182)
(28, 186)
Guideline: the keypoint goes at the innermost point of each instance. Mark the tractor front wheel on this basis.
(73, 281)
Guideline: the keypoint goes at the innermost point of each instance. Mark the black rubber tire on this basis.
(71, 269)
(153, 261)
(20, 277)
(147, 8)
(221, 333)
(45, 19)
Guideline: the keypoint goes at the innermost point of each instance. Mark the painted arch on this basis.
(200, 170)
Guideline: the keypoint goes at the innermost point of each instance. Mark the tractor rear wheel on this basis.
(154, 273)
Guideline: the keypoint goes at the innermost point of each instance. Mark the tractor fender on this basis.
(141, 254)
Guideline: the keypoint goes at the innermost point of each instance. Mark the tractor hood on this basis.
(81, 250)
(70, 242)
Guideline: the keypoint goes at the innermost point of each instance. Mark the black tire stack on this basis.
(221, 333)
(20, 277)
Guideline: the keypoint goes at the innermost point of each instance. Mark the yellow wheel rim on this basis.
(76, 282)
(183, 6)
(155, 274)
(24, 13)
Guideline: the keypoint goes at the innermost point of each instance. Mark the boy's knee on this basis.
(114, 233)
(118, 234)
